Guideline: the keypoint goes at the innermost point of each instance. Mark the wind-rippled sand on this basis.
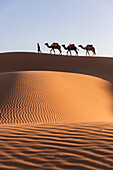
(41, 96)
(57, 146)
(55, 115)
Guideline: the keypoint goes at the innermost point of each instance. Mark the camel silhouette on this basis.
(71, 47)
(53, 47)
(88, 48)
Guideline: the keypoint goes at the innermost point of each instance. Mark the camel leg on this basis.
(60, 51)
(76, 52)
(67, 52)
(94, 53)
(51, 51)
(54, 51)
(70, 52)
(86, 53)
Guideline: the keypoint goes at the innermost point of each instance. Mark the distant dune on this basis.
(56, 112)
(21, 61)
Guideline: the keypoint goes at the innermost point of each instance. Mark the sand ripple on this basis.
(59, 146)
(41, 96)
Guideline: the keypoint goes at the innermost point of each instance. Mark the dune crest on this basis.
(101, 67)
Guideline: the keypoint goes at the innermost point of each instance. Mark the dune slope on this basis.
(39, 97)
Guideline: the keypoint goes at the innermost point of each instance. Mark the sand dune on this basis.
(41, 96)
(21, 61)
(56, 112)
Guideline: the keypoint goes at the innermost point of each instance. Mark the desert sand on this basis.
(56, 112)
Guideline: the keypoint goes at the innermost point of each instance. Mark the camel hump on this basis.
(55, 44)
(71, 45)
(89, 46)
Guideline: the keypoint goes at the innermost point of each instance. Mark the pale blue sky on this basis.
(23, 23)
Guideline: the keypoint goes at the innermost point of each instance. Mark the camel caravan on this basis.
(71, 47)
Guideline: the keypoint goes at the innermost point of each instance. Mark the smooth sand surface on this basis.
(56, 112)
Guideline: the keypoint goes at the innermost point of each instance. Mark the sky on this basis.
(23, 23)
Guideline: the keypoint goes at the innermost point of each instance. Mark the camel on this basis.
(70, 47)
(53, 47)
(88, 48)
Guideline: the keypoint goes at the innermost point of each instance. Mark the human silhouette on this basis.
(38, 48)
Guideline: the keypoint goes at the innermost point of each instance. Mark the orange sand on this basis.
(56, 112)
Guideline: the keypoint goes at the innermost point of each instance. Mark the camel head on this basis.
(63, 45)
(84, 48)
(46, 44)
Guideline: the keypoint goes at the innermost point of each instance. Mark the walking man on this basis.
(38, 48)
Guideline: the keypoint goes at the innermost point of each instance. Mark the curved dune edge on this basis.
(101, 67)
(54, 97)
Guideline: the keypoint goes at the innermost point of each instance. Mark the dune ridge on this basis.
(26, 61)
(56, 112)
